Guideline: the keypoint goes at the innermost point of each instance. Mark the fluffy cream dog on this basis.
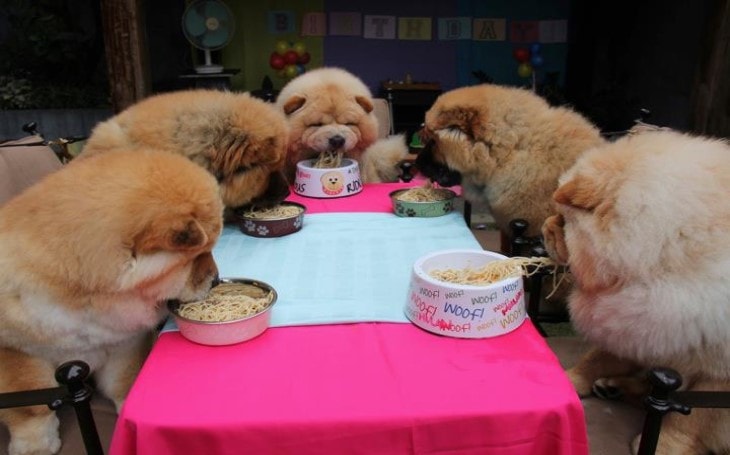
(331, 110)
(506, 147)
(645, 228)
(87, 258)
(239, 139)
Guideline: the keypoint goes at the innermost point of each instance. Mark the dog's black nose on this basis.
(337, 142)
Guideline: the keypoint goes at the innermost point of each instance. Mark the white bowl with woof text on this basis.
(335, 182)
(462, 310)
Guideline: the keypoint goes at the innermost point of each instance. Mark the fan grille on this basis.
(208, 24)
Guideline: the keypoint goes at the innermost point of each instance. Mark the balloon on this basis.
(304, 58)
(290, 70)
(524, 70)
(281, 73)
(282, 47)
(300, 69)
(521, 54)
(299, 48)
(291, 57)
(276, 61)
(535, 48)
(537, 61)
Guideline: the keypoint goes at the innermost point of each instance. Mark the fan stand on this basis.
(209, 67)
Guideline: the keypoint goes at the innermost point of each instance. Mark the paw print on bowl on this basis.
(250, 226)
(410, 212)
(263, 231)
(448, 207)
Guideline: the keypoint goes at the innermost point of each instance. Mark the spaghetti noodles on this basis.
(276, 212)
(423, 194)
(228, 302)
(493, 271)
(328, 160)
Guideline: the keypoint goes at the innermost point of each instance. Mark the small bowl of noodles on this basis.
(283, 219)
(236, 310)
(422, 201)
(469, 293)
(329, 176)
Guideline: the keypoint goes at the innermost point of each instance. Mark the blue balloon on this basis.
(535, 48)
(537, 61)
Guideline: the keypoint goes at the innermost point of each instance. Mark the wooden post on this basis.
(712, 87)
(126, 52)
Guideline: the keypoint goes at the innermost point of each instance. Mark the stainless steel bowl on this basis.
(227, 332)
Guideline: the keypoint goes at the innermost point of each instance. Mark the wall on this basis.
(449, 62)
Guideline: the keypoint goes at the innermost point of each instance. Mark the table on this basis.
(360, 388)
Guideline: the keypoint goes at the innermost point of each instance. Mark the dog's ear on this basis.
(466, 119)
(579, 192)
(293, 104)
(365, 103)
(177, 235)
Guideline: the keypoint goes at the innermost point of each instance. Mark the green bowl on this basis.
(423, 209)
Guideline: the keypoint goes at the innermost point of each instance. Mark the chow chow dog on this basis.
(239, 139)
(331, 110)
(506, 146)
(644, 226)
(88, 256)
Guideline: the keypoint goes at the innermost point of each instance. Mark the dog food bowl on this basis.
(214, 333)
(327, 182)
(461, 310)
(269, 224)
(437, 207)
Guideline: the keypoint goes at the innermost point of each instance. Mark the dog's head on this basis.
(328, 110)
(461, 131)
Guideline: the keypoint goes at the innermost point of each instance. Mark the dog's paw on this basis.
(605, 388)
(554, 238)
(37, 436)
(582, 386)
(634, 446)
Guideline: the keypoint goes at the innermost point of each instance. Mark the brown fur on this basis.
(329, 110)
(87, 258)
(647, 239)
(239, 139)
(509, 146)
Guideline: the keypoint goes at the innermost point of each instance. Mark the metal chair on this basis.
(74, 391)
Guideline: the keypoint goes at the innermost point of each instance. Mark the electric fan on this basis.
(209, 26)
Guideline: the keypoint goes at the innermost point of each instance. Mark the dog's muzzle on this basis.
(435, 171)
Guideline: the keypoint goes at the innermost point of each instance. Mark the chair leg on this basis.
(659, 402)
(73, 375)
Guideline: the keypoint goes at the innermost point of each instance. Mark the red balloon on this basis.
(291, 57)
(276, 61)
(304, 58)
(521, 54)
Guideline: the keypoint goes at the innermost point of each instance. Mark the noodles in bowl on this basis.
(283, 219)
(422, 201)
(234, 311)
(448, 298)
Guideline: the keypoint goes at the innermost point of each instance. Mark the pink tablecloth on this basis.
(366, 388)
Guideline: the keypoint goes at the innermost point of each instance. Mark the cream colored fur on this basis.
(645, 229)
(88, 256)
(328, 103)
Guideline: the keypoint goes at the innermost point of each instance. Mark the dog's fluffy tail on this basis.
(380, 161)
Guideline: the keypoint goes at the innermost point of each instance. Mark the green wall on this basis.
(252, 44)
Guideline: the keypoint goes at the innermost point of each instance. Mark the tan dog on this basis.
(331, 110)
(645, 229)
(88, 257)
(506, 147)
(239, 139)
